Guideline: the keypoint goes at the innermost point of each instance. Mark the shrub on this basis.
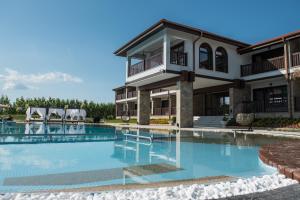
(159, 121)
(110, 117)
(96, 119)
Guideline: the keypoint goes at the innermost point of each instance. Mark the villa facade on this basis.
(177, 70)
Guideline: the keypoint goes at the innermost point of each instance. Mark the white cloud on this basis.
(14, 80)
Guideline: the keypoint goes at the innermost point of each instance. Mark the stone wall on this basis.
(237, 96)
(184, 104)
(143, 107)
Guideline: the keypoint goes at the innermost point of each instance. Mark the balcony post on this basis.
(287, 66)
(166, 50)
(128, 64)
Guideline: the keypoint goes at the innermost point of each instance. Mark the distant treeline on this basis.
(95, 110)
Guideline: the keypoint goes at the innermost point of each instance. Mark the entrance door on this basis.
(217, 104)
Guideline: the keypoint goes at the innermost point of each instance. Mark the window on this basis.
(221, 60)
(205, 57)
(165, 103)
(178, 57)
(273, 99)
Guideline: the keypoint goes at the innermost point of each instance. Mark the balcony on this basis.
(120, 96)
(164, 111)
(131, 94)
(178, 58)
(269, 65)
(132, 113)
(265, 66)
(146, 64)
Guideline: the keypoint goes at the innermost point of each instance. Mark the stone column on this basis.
(184, 104)
(236, 97)
(143, 107)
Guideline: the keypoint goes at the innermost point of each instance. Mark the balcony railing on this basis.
(132, 112)
(265, 66)
(131, 94)
(119, 112)
(173, 111)
(144, 65)
(164, 111)
(296, 59)
(178, 58)
(120, 96)
(157, 91)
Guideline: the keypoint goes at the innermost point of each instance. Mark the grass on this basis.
(16, 117)
(131, 121)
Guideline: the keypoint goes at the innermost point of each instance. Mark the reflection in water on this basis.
(122, 156)
(54, 133)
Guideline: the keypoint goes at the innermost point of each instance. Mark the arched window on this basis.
(221, 60)
(205, 56)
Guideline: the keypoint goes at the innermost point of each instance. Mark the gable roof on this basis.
(275, 40)
(163, 23)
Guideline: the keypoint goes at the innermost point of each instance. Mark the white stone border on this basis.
(191, 192)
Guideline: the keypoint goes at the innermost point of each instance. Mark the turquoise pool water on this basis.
(39, 157)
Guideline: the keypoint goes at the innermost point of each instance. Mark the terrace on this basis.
(272, 59)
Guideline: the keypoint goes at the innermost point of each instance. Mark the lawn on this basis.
(131, 121)
(19, 117)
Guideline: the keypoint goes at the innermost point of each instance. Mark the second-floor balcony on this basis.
(264, 66)
(146, 64)
(120, 96)
(271, 64)
(131, 94)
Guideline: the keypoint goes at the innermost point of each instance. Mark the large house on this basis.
(177, 70)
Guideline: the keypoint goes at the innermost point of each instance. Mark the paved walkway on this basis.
(285, 156)
(291, 192)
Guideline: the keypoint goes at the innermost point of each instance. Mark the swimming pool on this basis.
(55, 156)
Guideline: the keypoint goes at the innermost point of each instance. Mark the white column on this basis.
(188, 48)
(128, 64)
(178, 149)
(166, 50)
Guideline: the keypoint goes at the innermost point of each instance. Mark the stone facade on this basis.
(184, 104)
(237, 96)
(143, 107)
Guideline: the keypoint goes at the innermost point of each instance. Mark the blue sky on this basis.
(64, 48)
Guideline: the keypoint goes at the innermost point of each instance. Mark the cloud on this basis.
(14, 80)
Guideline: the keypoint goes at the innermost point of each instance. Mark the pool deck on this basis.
(285, 156)
(256, 131)
(135, 186)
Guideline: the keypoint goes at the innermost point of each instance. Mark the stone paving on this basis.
(285, 156)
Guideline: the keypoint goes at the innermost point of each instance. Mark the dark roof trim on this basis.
(273, 41)
(119, 88)
(163, 23)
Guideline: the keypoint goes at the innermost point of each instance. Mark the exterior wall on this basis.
(234, 60)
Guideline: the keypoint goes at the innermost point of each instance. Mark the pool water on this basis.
(42, 157)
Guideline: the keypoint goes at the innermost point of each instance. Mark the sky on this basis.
(64, 48)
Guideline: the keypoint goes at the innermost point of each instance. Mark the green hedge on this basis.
(271, 122)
